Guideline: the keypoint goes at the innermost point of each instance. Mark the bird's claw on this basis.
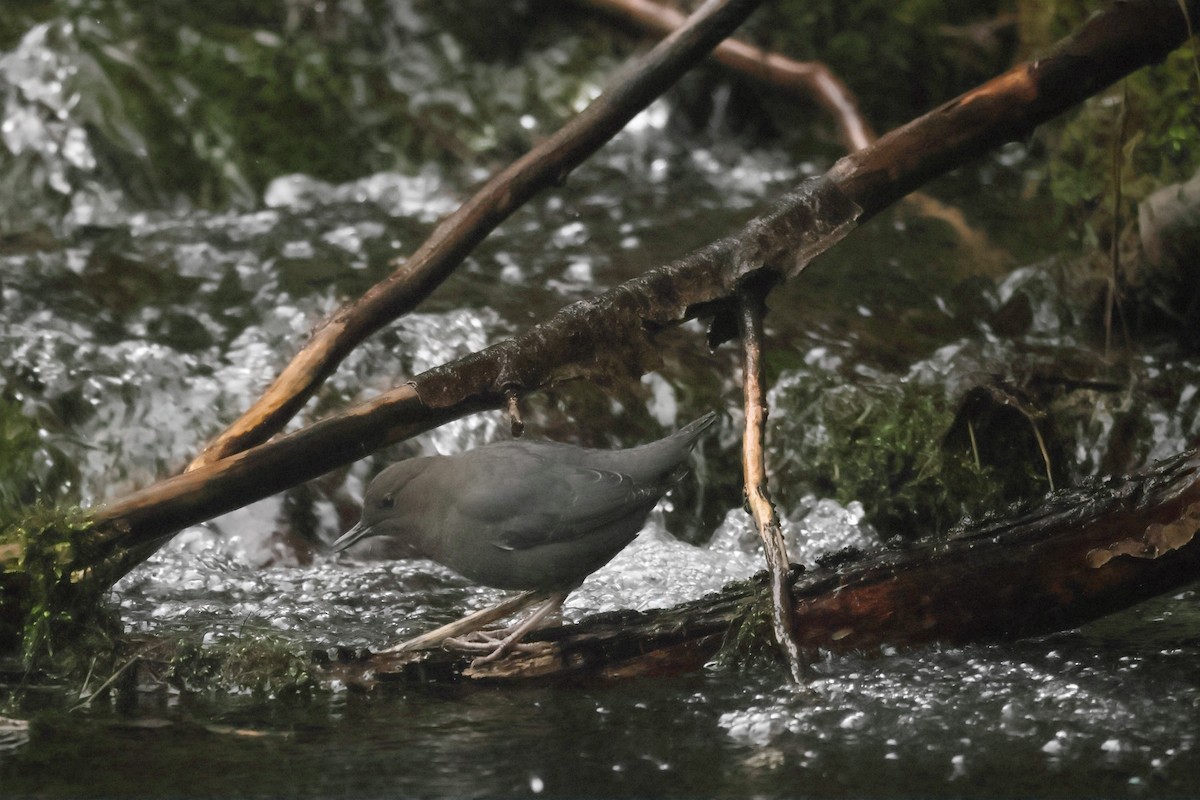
(494, 647)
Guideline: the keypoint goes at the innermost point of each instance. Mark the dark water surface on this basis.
(1070, 716)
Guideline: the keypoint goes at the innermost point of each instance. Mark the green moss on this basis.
(48, 602)
(1153, 117)
(889, 446)
(45, 601)
(261, 665)
(751, 639)
(19, 443)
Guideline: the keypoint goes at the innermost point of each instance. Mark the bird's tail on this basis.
(664, 460)
(691, 432)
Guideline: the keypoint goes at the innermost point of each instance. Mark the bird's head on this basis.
(385, 512)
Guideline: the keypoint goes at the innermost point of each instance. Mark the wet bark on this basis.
(1080, 555)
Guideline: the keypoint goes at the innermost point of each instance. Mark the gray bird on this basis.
(531, 515)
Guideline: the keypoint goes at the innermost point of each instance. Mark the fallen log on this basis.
(1079, 555)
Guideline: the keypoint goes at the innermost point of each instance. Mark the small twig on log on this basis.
(754, 467)
(456, 236)
(811, 79)
(86, 702)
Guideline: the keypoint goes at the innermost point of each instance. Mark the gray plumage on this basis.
(523, 514)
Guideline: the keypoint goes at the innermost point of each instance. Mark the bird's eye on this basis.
(386, 502)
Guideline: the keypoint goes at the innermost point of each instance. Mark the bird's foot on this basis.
(489, 648)
(485, 642)
(495, 645)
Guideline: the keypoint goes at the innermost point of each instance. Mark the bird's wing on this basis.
(543, 502)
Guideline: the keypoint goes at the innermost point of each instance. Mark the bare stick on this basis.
(754, 466)
(436, 259)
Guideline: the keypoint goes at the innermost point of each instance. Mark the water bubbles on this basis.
(350, 237)
(853, 722)
(423, 196)
(815, 527)
(757, 726)
(663, 405)
(578, 276)
(658, 571)
(298, 249)
(297, 192)
(1112, 748)
(77, 151)
(570, 234)
(1055, 747)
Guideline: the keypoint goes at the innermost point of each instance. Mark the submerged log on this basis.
(1078, 556)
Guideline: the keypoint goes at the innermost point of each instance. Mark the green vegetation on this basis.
(900, 448)
(1152, 119)
(47, 602)
(262, 665)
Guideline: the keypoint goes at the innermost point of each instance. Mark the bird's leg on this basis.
(511, 641)
(470, 623)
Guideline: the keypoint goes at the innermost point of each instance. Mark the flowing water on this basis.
(138, 319)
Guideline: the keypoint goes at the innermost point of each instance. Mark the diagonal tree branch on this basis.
(613, 334)
(456, 236)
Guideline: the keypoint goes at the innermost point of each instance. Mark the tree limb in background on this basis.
(810, 79)
(456, 236)
(612, 336)
(754, 467)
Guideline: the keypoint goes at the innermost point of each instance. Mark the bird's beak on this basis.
(351, 536)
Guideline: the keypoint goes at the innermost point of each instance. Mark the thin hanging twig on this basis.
(754, 466)
(1112, 296)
